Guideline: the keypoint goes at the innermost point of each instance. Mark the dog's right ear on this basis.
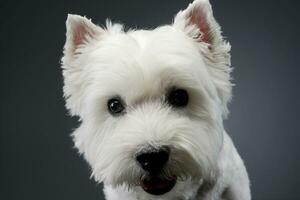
(80, 31)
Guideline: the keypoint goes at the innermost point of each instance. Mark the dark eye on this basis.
(115, 106)
(178, 98)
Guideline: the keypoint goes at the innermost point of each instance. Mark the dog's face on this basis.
(151, 103)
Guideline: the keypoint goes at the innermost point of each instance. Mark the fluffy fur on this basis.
(141, 66)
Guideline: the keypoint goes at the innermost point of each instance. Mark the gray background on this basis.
(37, 160)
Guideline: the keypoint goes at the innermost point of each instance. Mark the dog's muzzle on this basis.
(152, 161)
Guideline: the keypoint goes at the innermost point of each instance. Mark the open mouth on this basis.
(158, 186)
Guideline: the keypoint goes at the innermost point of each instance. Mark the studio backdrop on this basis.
(37, 157)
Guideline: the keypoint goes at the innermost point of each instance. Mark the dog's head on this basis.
(151, 103)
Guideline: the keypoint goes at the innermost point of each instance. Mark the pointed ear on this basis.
(80, 31)
(198, 22)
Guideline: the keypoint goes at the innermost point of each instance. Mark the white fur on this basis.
(141, 66)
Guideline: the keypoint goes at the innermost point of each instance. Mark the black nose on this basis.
(154, 160)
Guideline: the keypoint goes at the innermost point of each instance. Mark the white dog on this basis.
(151, 105)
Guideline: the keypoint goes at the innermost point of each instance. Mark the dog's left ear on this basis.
(197, 22)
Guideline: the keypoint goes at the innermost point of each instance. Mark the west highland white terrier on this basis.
(151, 105)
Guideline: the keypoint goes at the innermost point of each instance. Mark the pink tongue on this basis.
(150, 186)
(156, 183)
